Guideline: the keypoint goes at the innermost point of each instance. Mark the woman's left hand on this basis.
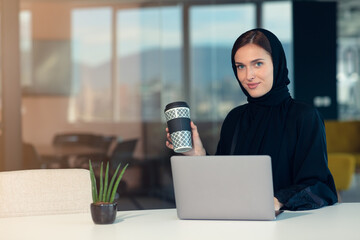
(277, 204)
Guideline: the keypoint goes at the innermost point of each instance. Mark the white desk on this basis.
(341, 221)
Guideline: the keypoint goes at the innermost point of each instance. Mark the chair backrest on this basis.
(102, 141)
(123, 151)
(31, 159)
(44, 191)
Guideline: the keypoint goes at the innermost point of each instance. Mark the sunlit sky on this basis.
(161, 28)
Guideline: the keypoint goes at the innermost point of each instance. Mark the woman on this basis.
(272, 123)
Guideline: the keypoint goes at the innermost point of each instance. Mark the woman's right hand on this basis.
(197, 150)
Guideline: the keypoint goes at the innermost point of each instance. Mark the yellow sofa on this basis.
(344, 137)
(343, 146)
(342, 167)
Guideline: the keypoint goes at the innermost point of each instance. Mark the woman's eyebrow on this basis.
(252, 61)
(256, 60)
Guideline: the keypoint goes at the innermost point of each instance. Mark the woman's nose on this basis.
(250, 75)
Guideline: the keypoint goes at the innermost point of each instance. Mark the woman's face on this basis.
(254, 69)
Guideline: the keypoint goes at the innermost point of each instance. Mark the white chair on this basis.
(44, 191)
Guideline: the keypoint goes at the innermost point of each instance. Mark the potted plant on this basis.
(103, 207)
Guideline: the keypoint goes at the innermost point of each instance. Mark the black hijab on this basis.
(261, 124)
(279, 90)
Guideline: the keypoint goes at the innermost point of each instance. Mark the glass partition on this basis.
(99, 76)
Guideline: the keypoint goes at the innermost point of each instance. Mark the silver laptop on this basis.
(223, 187)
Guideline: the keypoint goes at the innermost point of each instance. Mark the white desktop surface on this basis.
(341, 221)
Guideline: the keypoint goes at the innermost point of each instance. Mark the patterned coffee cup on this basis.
(178, 120)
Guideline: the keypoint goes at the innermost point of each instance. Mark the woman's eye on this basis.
(258, 64)
(240, 66)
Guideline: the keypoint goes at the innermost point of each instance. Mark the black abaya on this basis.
(292, 133)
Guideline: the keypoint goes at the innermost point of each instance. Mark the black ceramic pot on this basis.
(103, 213)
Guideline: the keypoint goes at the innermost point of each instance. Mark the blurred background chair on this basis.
(342, 167)
(31, 159)
(44, 191)
(123, 152)
(75, 149)
(84, 139)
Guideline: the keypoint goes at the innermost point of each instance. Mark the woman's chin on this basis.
(256, 94)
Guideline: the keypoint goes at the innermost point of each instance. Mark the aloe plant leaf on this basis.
(117, 183)
(112, 183)
(106, 182)
(93, 183)
(101, 182)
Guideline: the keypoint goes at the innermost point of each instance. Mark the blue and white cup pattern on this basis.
(179, 112)
(181, 140)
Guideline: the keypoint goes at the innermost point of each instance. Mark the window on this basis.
(25, 48)
(281, 26)
(149, 62)
(213, 30)
(91, 46)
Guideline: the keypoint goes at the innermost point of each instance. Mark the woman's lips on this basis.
(252, 85)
